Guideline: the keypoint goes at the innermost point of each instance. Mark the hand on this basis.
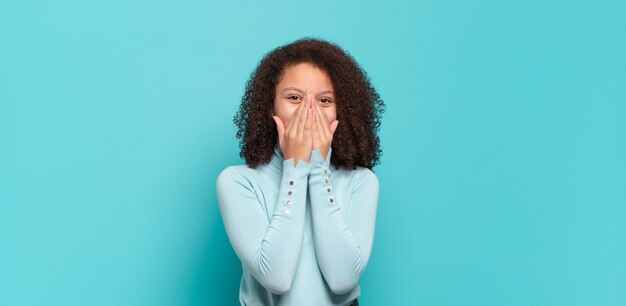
(296, 140)
(322, 131)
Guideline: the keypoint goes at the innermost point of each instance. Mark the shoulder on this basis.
(366, 177)
(359, 177)
(366, 174)
(236, 176)
(364, 186)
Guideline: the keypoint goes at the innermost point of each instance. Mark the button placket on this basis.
(331, 199)
(289, 201)
(324, 172)
(293, 182)
(286, 208)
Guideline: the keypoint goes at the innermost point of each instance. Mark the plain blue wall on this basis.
(503, 179)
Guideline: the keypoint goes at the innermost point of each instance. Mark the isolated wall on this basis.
(503, 177)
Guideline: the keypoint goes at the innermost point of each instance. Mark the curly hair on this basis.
(359, 107)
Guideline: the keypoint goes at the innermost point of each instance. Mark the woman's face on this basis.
(293, 86)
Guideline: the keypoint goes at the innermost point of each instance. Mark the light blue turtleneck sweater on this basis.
(304, 233)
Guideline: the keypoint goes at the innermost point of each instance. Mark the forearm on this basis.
(342, 246)
(269, 250)
(338, 252)
(279, 252)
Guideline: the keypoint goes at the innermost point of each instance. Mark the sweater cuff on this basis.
(320, 185)
(301, 170)
(293, 190)
(317, 161)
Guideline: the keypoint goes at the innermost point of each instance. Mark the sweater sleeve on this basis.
(343, 240)
(270, 250)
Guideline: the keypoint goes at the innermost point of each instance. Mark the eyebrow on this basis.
(302, 91)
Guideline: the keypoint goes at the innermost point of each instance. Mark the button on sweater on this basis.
(304, 233)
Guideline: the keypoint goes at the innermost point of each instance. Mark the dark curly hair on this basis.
(359, 107)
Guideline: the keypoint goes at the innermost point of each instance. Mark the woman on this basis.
(302, 229)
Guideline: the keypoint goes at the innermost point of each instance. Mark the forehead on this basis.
(305, 76)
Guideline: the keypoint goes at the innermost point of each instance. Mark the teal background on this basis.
(503, 179)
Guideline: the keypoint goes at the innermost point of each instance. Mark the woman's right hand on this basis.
(295, 139)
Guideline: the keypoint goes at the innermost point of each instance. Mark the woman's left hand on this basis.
(322, 130)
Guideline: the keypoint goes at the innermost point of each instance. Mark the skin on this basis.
(305, 112)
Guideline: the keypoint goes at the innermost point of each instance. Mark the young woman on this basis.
(302, 229)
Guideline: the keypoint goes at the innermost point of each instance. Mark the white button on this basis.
(287, 211)
(288, 202)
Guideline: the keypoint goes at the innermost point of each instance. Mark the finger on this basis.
(304, 119)
(322, 122)
(290, 123)
(333, 126)
(301, 117)
(293, 122)
(326, 125)
(308, 123)
(280, 127)
(314, 128)
(318, 120)
(314, 109)
(310, 117)
(315, 113)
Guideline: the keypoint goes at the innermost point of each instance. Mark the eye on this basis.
(325, 101)
(293, 97)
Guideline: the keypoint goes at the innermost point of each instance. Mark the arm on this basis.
(342, 244)
(269, 250)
